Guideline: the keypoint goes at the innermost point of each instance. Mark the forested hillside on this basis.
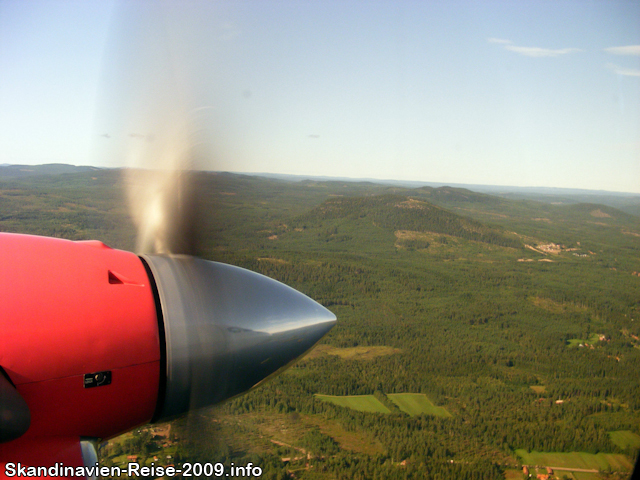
(518, 321)
(395, 212)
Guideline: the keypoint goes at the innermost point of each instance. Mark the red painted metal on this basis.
(39, 452)
(71, 308)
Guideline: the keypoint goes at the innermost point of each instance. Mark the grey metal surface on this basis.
(15, 417)
(89, 455)
(227, 329)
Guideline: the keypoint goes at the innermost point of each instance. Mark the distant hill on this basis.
(456, 195)
(627, 202)
(439, 193)
(16, 171)
(398, 212)
(490, 189)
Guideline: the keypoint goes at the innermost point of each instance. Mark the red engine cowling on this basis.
(69, 311)
(95, 341)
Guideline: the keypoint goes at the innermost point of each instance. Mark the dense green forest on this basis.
(520, 318)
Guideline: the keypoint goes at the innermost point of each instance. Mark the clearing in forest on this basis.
(353, 353)
(578, 460)
(512, 474)
(586, 476)
(625, 439)
(362, 403)
(593, 339)
(416, 404)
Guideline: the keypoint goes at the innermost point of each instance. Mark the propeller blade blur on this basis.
(155, 111)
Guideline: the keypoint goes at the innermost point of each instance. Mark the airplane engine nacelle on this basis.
(95, 341)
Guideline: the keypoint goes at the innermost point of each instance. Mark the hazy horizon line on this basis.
(360, 179)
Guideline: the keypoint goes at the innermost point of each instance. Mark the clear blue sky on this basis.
(526, 93)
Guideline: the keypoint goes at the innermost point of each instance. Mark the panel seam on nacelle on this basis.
(83, 373)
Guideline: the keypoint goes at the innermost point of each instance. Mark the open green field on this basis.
(593, 339)
(416, 404)
(362, 403)
(353, 353)
(625, 439)
(588, 461)
(586, 476)
(513, 474)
